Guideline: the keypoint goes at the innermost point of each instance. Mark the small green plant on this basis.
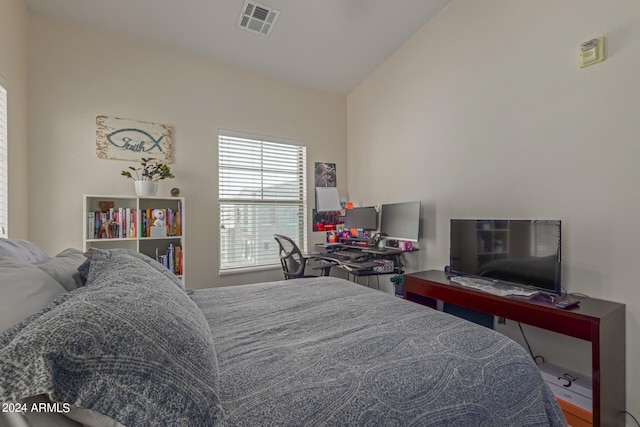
(150, 170)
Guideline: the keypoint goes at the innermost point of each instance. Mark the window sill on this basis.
(245, 270)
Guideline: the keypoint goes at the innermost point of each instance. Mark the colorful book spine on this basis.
(179, 220)
(121, 223)
(171, 225)
(143, 223)
(129, 223)
(92, 225)
(105, 218)
(148, 223)
(178, 261)
(98, 221)
(170, 257)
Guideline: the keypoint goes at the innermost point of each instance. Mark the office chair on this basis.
(293, 261)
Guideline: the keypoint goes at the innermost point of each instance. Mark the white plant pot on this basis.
(146, 188)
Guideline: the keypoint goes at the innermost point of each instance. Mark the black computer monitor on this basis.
(400, 221)
(361, 218)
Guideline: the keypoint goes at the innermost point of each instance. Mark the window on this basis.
(262, 192)
(4, 202)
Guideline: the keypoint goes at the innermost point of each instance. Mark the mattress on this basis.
(326, 351)
(132, 347)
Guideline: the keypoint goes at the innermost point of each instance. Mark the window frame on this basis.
(4, 161)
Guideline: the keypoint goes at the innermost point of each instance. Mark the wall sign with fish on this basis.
(125, 139)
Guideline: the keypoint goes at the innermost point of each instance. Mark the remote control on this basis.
(566, 303)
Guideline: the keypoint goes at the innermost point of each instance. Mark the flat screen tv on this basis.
(519, 252)
(400, 221)
(361, 218)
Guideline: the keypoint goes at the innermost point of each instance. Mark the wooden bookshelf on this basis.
(135, 238)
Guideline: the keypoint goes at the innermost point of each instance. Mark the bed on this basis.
(125, 344)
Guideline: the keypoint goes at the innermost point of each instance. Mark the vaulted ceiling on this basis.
(330, 45)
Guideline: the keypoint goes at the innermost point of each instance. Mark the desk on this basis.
(360, 261)
(602, 323)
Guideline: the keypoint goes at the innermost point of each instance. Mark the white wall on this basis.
(14, 36)
(485, 113)
(76, 74)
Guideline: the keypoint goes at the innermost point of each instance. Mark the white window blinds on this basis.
(4, 202)
(262, 192)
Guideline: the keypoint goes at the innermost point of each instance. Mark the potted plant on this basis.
(147, 175)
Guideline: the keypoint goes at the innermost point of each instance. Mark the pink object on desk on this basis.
(405, 246)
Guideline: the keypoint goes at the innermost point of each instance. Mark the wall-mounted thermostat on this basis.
(591, 52)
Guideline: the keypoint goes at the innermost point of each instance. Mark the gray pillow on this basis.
(84, 268)
(64, 267)
(130, 345)
(25, 290)
(21, 250)
(155, 264)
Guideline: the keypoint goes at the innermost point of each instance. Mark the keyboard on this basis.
(492, 287)
(360, 265)
(329, 245)
(382, 251)
(343, 256)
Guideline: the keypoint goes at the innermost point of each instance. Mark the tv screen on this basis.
(400, 221)
(361, 218)
(520, 252)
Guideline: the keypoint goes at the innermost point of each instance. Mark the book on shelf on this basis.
(172, 259)
(92, 225)
(178, 260)
(132, 223)
(120, 222)
(170, 255)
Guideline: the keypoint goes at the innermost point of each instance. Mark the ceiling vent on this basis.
(258, 18)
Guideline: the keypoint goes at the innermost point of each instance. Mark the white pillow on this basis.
(25, 290)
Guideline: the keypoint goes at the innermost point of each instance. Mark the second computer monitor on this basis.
(400, 221)
(361, 218)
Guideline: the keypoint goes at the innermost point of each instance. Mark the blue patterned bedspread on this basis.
(329, 352)
(134, 346)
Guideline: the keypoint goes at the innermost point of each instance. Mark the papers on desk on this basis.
(492, 287)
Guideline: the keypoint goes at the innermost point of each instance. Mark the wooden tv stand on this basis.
(600, 322)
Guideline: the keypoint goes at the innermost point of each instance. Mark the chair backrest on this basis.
(291, 258)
